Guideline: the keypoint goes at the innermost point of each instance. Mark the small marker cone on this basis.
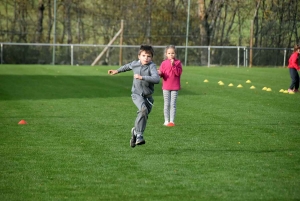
(22, 122)
(205, 80)
(239, 86)
(269, 89)
(248, 81)
(230, 85)
(265, 88)
(285, 92)
(291, 92)
(281, 90)
(221, 83)
(252, 87)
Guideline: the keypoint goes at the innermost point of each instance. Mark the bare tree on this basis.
(40, 17)
(50, 21)
(67, 20)
(208, 17)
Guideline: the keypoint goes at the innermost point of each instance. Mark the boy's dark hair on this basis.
(147, 48)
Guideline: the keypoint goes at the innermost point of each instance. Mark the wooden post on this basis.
(104, 50)
(251, 44)
(121, 43)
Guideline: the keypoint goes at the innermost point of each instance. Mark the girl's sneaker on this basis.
(290, 90)
(296, 90)
(166, 123)
(171, 124)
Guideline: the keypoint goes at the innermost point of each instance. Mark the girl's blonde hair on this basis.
(169, 47)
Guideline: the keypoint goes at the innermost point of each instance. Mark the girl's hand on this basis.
(172, 61)
(159, 72)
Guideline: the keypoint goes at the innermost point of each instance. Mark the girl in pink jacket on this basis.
(293, 68)
(170, 70)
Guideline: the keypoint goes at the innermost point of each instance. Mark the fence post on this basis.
(238, 56)
(1, 53)
(284, 58)
(246, 64)
(244, 56)
(72, 56)
(208, 58)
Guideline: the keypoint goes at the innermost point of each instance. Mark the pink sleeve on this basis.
(161, 68)
(177, 68)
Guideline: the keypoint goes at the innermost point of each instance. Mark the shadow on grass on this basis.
(35, 87)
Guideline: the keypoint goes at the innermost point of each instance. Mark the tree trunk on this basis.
(68, 6)
(40, 16)
(203, 25)
(208, 19)
(148, 34)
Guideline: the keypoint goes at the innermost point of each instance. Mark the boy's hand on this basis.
(137, 76)
(112, 72)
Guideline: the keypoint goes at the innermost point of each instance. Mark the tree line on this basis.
(276, 23)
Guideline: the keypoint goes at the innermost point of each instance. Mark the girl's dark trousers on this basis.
(295, 78)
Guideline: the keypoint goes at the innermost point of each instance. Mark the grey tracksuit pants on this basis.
(144, 106)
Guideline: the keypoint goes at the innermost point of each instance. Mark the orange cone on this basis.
(22, 122)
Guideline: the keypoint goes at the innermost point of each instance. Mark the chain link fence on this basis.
(80, 54)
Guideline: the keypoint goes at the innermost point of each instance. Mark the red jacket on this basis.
(293, 61)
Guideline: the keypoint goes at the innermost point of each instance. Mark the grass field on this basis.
(229, 143)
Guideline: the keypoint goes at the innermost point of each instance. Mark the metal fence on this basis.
(85, 54)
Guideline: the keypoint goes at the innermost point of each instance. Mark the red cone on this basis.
(22, 122)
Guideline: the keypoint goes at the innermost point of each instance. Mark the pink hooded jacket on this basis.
(171, 74)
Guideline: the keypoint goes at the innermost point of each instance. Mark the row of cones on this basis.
(253, 87)
(248, 81)
(231, 85)
(266, 89)
(286, 91)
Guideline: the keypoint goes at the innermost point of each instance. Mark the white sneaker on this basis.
(166, 123)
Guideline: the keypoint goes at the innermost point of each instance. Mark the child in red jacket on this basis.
(293, 68)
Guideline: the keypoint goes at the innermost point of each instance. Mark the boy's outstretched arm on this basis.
(112, 72)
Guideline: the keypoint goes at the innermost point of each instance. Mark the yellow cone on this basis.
(285, 92)
(230, 85)
(239, 86)
(281, 90)
(291, 92)
(205, 80)
(252, 87)
(248, 81)
(221, 83)
(269, 89)
(265, 88)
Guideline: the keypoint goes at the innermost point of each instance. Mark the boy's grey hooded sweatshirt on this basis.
(144, 87)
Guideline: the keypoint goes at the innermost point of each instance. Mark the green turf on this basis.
(229, 143)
